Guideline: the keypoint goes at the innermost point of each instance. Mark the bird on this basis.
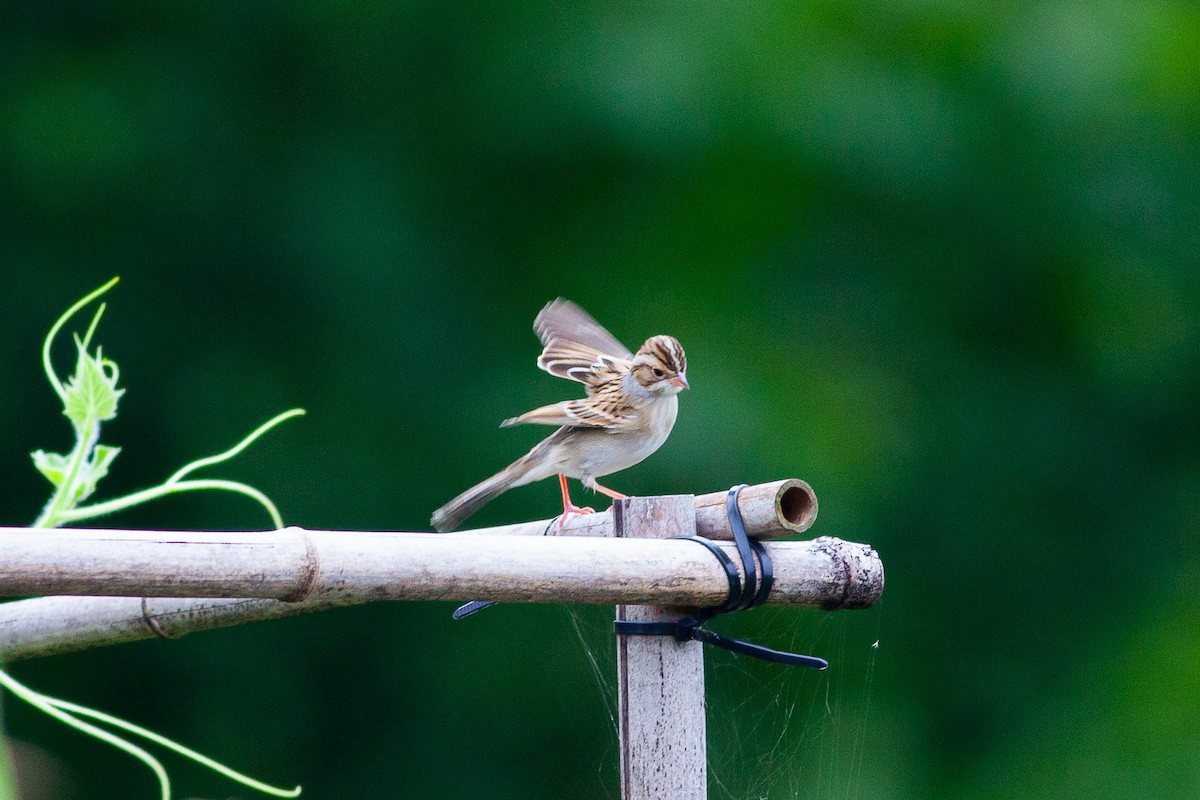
(629, 409)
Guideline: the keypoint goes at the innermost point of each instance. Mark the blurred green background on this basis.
(940, 260)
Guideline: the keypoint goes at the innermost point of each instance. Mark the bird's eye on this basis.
(658, 373)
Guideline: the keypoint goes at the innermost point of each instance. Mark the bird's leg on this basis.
(568, 506)
(605, 490)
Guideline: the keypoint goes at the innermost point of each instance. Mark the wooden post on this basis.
(660, 681)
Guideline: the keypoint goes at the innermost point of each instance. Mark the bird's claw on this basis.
(573, 509)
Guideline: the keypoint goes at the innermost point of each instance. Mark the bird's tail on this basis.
(450, 516)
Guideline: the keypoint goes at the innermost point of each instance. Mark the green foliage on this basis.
(70, 714)
(91, 394)
(89, 398)
(57, 468)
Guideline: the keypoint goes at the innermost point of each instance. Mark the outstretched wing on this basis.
(608, 408)
(577, 348)
(594, 374)
(562, 319)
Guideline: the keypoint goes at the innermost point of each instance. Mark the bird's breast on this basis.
(618, 450)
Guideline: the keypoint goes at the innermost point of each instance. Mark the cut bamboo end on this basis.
(769, 510)
(798, 505)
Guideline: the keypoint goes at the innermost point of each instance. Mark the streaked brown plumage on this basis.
(629, 410)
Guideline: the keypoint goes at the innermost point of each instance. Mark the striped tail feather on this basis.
(452, 515)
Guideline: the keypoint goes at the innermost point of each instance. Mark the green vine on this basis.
(90, 397)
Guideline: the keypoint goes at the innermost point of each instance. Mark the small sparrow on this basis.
(628, 413)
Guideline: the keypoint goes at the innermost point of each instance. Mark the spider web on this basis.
(773, 731)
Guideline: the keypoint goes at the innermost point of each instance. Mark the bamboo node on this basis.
(310, 571)
(152, 623)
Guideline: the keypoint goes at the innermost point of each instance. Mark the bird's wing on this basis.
(609, 410)
(576, 347)
(562, 319)
(576, 362)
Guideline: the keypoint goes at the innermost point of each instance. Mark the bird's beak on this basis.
(680, 380)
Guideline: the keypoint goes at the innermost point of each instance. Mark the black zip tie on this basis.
(467, 609)
(744, 594)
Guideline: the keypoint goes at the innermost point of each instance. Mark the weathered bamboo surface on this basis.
(826, 573)
(769, 511)
(347, 566)
(167, 584)
(46, 626)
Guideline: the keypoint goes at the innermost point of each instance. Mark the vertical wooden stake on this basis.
(660, 681)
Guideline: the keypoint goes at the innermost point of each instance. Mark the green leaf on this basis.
(52, 465)
(91, 394)
(55, 467)
(95, 469)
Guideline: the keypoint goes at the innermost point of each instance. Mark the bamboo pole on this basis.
(769, 510)
(293, 564)
(260, 576)
(660, 682)
(826, 573)
(46, 626)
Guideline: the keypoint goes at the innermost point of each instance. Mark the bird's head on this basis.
(660, 366)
